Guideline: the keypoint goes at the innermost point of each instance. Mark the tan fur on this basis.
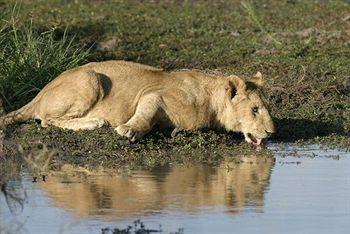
(230, 185)
(132, 98)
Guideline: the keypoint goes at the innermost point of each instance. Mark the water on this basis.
(301, 190)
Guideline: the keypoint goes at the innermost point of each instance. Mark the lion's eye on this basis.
(255, 110)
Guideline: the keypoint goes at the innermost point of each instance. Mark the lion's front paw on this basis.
(128, 132)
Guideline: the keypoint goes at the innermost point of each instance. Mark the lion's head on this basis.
(245, 109)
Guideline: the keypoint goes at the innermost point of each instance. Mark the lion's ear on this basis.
(237, 86)
(258, 79)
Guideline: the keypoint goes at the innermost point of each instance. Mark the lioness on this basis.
(133, 97)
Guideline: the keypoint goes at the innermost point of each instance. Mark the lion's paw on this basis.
(128, 132)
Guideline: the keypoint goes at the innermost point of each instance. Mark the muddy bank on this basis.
(104, 147)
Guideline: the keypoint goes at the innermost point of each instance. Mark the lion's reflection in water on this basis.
(232, 186)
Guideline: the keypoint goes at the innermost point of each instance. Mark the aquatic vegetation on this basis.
(137, 227)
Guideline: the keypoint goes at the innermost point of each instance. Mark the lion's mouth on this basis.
(257, 142)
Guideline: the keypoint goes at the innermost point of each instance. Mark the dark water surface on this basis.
(301, 190)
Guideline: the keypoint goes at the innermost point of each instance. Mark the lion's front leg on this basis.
(143, 119)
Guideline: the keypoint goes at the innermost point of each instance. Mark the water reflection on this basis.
(11, 186)
(15, 196)
(308, 192)
(234, 185)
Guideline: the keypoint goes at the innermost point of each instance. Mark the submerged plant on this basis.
(138, 227)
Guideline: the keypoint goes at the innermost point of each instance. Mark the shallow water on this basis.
(300, 190)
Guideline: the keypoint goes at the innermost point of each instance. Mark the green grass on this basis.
(30, 59)
(302, 48)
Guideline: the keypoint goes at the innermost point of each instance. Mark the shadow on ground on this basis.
(291, 130)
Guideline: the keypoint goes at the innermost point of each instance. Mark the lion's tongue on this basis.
(257, 142)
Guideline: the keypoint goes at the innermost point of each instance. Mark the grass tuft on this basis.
(30, 59)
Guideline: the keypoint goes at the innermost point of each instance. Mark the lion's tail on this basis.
(20, 115)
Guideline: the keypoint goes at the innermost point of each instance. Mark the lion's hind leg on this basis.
(67, 101)
(79, 123)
